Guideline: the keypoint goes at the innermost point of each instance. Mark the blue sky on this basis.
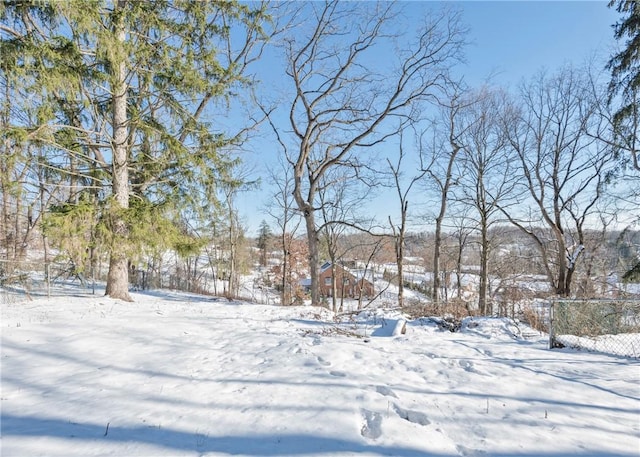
(518, 38)
(508, 41)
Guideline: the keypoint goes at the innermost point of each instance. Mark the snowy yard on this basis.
(181, 375)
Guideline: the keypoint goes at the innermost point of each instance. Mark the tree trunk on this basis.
(437, 242)
(233, 255)
(118, 276)
(438, 230)
(572, 259)
(400, 263)
(484, 262)
(459, 254)
(398, 247)
(6, 218)
(334, 286)
(562, 264)
(314, 257)
(286, 275)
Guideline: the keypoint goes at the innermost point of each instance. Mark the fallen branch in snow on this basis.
(453, 325)
(333, 331)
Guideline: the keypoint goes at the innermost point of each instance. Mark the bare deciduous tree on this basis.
(282, 210)
(440, 157)
(461, 227)
(399, 230)
(341, 102)
(488, 175)
(340, 197)
(562, 169)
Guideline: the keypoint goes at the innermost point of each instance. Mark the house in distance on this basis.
(349, 283)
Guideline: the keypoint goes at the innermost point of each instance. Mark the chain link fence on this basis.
(609, 326)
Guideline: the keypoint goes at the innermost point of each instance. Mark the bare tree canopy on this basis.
(343, 96)
(488, 175)
(563, 168)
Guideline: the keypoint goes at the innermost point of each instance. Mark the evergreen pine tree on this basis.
(625, 82)
(264, 241)
(124, 90)
(625, 79)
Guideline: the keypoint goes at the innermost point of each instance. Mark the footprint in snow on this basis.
(412, 416)
(387, 392)
(323, 362)
(372, 427)
(318, 361)
(339, 374)
(467, 366)
(297, 349)
(466, 451)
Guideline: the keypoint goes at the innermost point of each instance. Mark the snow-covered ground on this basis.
(181, 375)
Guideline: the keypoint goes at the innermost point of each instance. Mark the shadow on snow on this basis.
(254, 445)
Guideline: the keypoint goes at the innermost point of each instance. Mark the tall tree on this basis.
(440, 158)
(137, 81)
(462, 228)
(625, 80)
(231, 184)
(265, 237)
(282, 209)
(488, 175)
(562, 169)
(625, 83)
(341, 100)
(116, 61)
(399, 230)
(340, 197)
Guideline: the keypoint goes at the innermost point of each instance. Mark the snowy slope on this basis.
(180, 375)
